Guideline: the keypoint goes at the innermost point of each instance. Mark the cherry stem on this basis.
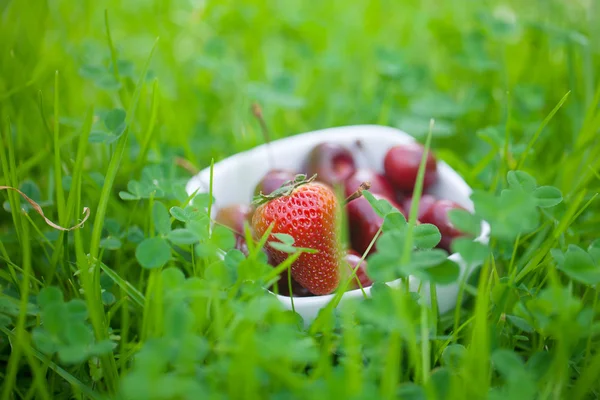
(257, 112)
(363, 186)
(187, 165)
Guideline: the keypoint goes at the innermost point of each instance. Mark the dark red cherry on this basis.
(437, 215)
(364, 222)
(233, 216)
(333, 163)
(379, 183)
(401, 166)
(425, 203)
(353, 258)
(241, 245)
(273, 181)
(297, 289)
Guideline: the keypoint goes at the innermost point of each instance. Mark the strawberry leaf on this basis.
(284, 190)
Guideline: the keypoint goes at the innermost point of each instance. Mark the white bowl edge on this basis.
(235, 177)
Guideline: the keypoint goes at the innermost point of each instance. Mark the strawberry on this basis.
(307, 211)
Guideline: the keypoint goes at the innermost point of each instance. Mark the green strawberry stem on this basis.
(284, 190)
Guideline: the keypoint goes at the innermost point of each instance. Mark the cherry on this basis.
(425, 203)
(401, 166)
(364, 222)
(241, 245)
(333, 163)
(353, 258)
(437, 215)
(379, 183)
(297, 289)
(233, 217)
(273, 181)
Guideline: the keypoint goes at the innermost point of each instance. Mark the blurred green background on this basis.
(310, 65)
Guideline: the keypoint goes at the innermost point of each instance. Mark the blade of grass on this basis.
(115, 161)
(150, 131)
(58, 182)
(114, 61)
(540, 129)
(507, 157)
(77, 176)
(479, 348)
(127, 287)
(16, 353)
(9, 174)
(93, 299)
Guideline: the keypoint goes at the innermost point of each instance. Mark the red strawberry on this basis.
(305, 210)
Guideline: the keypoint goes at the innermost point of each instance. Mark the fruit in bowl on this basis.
(437, 214)
(305, 210)
(401, 165)
(273, 180)
(379, 183)
(329, 151)
(364, 222)
(332, 163)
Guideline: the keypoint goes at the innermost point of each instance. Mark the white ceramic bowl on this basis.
(247, 168)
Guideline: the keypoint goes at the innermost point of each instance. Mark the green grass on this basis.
(125, 308)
